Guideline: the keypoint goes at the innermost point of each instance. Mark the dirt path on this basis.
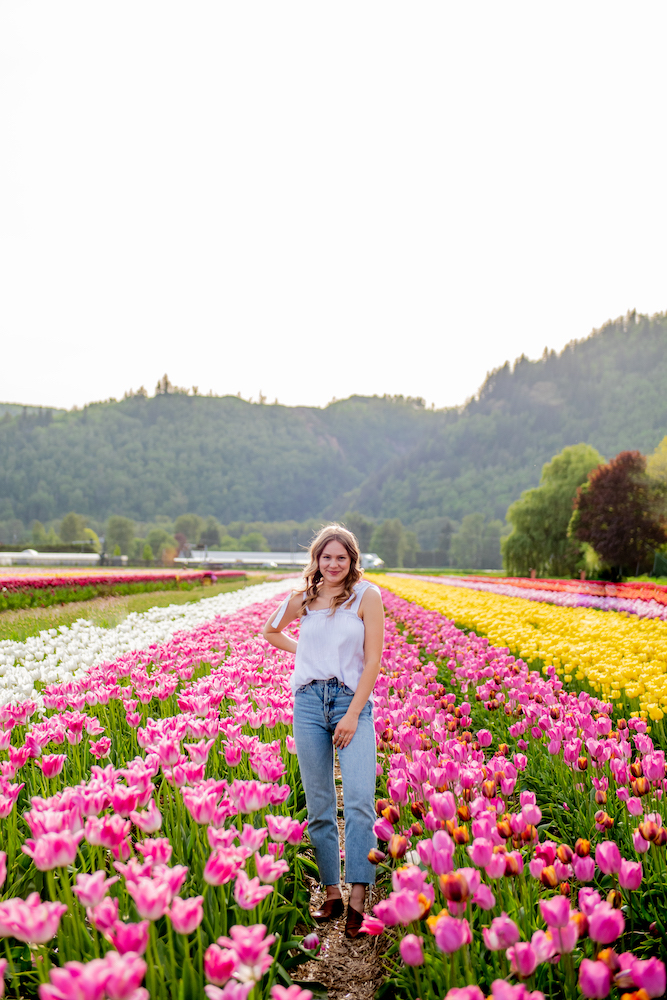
(350, 970)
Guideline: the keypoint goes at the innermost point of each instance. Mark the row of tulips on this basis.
(43, 591)
(506, 877)
(166, 820)
(69, 652)
(569, 593)
(622, 658)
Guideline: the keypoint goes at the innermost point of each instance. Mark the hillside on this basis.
(387, 457)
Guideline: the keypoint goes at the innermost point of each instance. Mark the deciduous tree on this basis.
(539, 539)
(619, 512)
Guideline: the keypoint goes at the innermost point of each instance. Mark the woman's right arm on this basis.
(273, 630)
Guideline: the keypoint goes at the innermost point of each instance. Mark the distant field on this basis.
(106, 612)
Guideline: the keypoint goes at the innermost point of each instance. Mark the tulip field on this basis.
(154, 839)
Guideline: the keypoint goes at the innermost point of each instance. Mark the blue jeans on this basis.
(318, 708)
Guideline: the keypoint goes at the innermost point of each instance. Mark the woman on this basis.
(337, 662)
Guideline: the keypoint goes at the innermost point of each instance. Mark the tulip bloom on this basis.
(268, 869)
(502, 933)
(186, 914)
(594, 979)
(91, 889)
(630, 874)
(523, 959)
(124, 974)
(411, 950)
(248, 893)
(52, 764)
(451, 934)
(32, 921)
(129, 937)
(219, 964)
(53, 850)
(150, 820)
(608, 857)
(605, 924)
(555, 911)
(481, 851)
(151, 897)
(649, 975)
(372, 925)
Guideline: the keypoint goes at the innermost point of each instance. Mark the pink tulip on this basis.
(124, 974)
(172, 877)
(464, 993)
(293, 992)
(649, 975)
(91, 889)
(157, 850)
(103, 916)
(53, 850)
(484, 898)
(76, 980)
(251, 947)
(186, 914)
(219, 964)
(150, 896)
(129, 937)
(523, 959)
(641, 846)
(252, 838)
(594, 979)
(150, 820)
(232, 991)
(310, 942)
(608, 857)
(248, 893)
(481, 851)
(408, 877)
(32, 921)
(109, 831)
(372, 925)
(269, 870)
(555, 911)
(484, 737)
(451, 934)
(407, 905)
(443, 805)
(411, 950)
(52, 764)
(565, 938)
(605, 924)
(502, 933)
(221, 867)
(496, 866)
(584, 868)
(630, 874)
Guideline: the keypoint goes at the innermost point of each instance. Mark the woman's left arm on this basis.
(373, 643)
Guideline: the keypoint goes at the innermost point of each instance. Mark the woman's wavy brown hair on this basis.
(313, 577)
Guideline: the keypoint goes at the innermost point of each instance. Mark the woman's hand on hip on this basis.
(345, 730)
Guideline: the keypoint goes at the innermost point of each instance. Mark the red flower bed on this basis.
(594, 588)
(18, 583)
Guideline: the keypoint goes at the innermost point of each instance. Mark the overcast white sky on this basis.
(314, 200)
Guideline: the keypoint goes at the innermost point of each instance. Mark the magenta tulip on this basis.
(594, 979)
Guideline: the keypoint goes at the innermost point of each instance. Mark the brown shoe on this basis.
(330, 909)
(353, 922)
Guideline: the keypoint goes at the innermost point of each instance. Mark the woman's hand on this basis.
(345, 730)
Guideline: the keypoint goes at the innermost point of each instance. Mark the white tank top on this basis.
(330, 645)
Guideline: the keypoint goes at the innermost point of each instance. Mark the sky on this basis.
(310, 200)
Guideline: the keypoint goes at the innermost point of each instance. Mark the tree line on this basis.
(588, 516)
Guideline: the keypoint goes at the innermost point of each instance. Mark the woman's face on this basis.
(334, 562)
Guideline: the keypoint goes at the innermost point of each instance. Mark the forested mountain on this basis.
(386, 457)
